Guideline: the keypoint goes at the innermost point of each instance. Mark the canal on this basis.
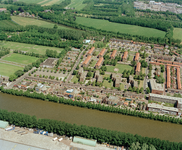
(72, 114)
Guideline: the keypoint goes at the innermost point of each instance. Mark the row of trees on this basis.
(101, 135)
(89, 105)
(4, 16)
(4, 51)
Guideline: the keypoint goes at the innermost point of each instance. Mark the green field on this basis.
(5, 5)
(30, 1)
(29, 47)
(177, 33)
(29, 21)
(7, 70)
(47, 2)
(7, 23)
(19, 58)
(121, 68)
(77, 4)
(93, 63)
(122, 28)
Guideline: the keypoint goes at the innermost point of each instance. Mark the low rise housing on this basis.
(101, 54)
(137, 57)
(138, 68)
(125, 56)
(168, 77)
(90, 52)
(113, 55)
(178, 78)
(87, 60)
(162, 109)
(112, 100)
(99, 63)
(100, 79)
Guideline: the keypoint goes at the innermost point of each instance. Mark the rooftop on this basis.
(167, 97)
(87, 60)
(102, 52)
(99, 61)
(154, 105)
(156, 86)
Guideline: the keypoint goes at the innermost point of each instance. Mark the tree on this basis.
(144, 146)
(148, 90)
(19, 73)
(141, 89)
(12, 77)
(89, 74)
(55, 26)
(135, 146)
(133, 63)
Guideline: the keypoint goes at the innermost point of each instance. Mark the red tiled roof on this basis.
(87, 60)
(178, 78)
(113, 53)
(91, 50)
(137, 56)
(138, 67)
(168, 77)
(102, 52)
(99, 61)
(125, 55)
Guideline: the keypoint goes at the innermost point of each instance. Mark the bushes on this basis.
(89, 105)
(101, 135)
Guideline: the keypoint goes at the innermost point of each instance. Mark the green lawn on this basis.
(7, 23)
(50, 2)
(29, 47)
(93, 63)
(121, 68)
(5, 5)
(22, 59)
(7, 70)
(29, 21)
(74, 79)
(117, 27)
(30, 1)
(77, 4)
(177, 33)
(107, 84)
(131, 58)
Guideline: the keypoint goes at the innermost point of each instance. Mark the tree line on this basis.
(4, 51)
(99, 134)
(90, 105)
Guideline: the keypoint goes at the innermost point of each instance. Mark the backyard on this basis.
(120, 67)
(29, 47)
(7, 70)
(19, 58)
(122, 28)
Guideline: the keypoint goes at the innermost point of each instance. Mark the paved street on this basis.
(74, 67)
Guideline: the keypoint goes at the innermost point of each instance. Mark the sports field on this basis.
(7, 23)
(19, 58)
(177, 33)
(29, 21)
(121, 68)
(7, 70)
(117, 27)
(29, 47)
(77, 4)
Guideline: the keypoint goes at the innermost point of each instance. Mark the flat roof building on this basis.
(84, 141)
(155, 87)
(162, 109)
(166, 99)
